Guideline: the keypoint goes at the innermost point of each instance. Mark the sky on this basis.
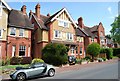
(92, 12)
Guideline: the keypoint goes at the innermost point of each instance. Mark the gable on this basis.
(63, 15)
(4, 4)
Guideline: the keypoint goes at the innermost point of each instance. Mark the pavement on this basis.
(5, 77)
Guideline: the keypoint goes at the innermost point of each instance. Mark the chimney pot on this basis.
(48, 15)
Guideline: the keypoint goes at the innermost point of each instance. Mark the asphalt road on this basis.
(96, 71)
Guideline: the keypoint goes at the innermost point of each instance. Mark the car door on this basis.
(35, 70)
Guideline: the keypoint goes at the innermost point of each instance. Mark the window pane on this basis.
(22, 50)
(65, 24)
(21, 32)
(13, 30)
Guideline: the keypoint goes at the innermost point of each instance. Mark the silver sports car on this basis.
(33, 70)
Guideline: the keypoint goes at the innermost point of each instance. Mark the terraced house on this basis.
(19, 34)
(57, 28)
(4, 10)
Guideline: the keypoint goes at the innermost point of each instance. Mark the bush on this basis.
(36, 60)
(78, 61)
(104, 59)
(55, 54)
(87, 58)
(102, 50)
(116, 51)
(109, 53)
(100, 59)
(20, 60)
(93, 50)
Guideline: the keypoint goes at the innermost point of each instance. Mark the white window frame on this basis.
(62, 23)
(0, 8)
(57, 32)
(11, 31)
(92, 39)
(69, 36)
(29, 51)
(1, 33)
(22, 32)
(0, 51)
(23, 49)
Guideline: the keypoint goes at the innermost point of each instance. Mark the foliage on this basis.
(37, 60)
(78, 61)
(116, 51)
(5, 62)
(100, 59)
(102, 50)
(115, 31)
(93, 50)
(109, 53)
(87, 58)
(16, 60)
(104, 59)
(55, 54)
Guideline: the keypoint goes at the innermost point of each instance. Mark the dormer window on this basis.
(21, 32)
(13, 31)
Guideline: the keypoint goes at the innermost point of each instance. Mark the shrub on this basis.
(15, 60)
(116, 51)
(78, 61)
(87, 58)
(55, 54)
(104, 59)
(109, 53)
(102, 50)
(93, 50)
(37, 60)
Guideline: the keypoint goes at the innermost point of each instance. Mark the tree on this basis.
(55, 54)
(93, 50)
(115, 31)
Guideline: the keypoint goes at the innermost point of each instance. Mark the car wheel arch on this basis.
(23, 73)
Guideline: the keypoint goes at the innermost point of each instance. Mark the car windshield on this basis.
(36, 65)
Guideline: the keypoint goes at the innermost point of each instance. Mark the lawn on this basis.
(12, 66)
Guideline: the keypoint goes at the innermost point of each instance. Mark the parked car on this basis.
(33, 70)
(72, 60)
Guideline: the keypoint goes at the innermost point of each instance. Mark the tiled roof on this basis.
(79, 32)
(17, 19)
(53, 16)
(94, 28)
(89, 32)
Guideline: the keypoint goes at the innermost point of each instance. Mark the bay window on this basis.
(22, 49)
(21, 32)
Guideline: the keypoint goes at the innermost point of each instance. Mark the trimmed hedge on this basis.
(116, 51)
(20, 60)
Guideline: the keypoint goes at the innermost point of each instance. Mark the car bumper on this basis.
(12, 77)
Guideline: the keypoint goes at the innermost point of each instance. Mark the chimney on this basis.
(37, 10)
(23, 9)
(48, 15)
(80, 22)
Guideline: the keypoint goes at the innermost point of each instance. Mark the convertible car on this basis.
(32, 70)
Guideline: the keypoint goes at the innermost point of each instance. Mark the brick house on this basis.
(19, 34)
(92, 34)
(4, 10)
(57, 28)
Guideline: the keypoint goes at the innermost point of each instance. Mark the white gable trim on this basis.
(64, 9)
(8, 7)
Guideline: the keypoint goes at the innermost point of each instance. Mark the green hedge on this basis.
(109, 53)
(37, 60)
(116, 51)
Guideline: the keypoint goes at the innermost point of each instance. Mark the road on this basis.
(107, 70)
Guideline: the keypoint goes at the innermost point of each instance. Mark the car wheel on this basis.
(51, 72)
(21, 77)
